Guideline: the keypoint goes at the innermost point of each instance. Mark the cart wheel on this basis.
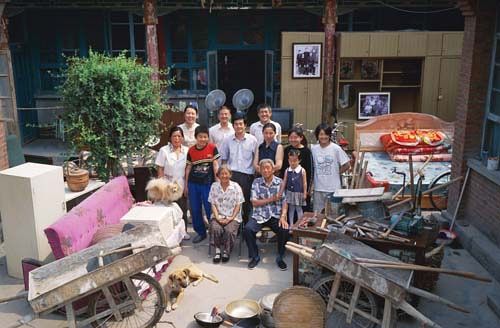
(366, 302)
(152, 299)
(439, 198)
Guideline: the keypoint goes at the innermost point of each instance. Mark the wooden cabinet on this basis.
(31, 199)
(384, 44)
(452, 44)
(434, 44)
(355, 45)
(430, 85)
(413, 45)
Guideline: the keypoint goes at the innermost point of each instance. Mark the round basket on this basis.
(76, 178)
(299, 307)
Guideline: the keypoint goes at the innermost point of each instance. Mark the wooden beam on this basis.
(150, 20)
(330, 18)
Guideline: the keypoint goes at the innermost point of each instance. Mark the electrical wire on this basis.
(416, 12)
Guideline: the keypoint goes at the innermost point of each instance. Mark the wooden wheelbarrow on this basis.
(114, 287)
(360, 270)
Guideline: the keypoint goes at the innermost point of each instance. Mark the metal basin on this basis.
(242, 309)
(204, 319)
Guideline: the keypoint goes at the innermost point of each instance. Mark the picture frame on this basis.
(307, 60)
(370, 69)
(346, 69)
(373, 104)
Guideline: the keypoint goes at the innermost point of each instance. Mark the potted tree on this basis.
(112, 108)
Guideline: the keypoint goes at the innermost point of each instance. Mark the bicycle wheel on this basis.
(152, 304)
(366, 302)
(439, 198)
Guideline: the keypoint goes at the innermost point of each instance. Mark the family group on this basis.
(238, 178)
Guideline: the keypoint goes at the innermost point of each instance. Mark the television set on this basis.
(284, 116)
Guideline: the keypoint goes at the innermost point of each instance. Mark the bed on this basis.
(367, 136)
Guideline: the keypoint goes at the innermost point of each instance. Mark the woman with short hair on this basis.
(225, 198)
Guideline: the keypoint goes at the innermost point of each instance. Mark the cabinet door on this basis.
(354, 44)
(434, 44)
(412, 44)
(430, 85)
(452, 44)
(448, 85)
(384, 44)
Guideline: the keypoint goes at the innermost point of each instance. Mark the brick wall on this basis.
(481, 204)
(472, 90)
(4, 160)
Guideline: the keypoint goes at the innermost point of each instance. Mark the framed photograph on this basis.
(346, 69)
(372, 104)
(307, 59)
(370, 69)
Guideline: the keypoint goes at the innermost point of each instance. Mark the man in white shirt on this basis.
(224, 128)
(330, 161)
(238, 152)
(264, 112)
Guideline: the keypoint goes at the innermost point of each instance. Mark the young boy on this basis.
(201, 166)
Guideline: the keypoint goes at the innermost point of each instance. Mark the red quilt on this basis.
(420, 152)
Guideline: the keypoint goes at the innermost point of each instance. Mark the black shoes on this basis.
(198, 239)
(225, 257)
(253, 263)
(281, 264)
(216, 258)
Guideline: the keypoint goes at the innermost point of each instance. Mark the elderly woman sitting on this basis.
(226, 198)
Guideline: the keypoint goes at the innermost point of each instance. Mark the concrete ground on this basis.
(236, 282)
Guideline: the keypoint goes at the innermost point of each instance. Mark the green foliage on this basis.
(112, 108)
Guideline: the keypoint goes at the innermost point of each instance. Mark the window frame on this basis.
(489, 116)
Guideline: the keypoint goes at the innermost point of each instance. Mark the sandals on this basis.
(217, 258)
(225, 257)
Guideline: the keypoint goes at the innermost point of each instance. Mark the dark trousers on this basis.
(245, 182)
(198, 195)
(251, 229)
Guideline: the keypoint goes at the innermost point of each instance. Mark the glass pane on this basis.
(495, 103)
(229, 36)
(4, 66)
(140, 37)
(120, 37)
(48, 57)
(119, 17)
(49, 78)
(137, 19)
(94, 31)
(199, 56)
(492, 138)
(179, 56)
(497, 53)
(69, 34)
(4, 87)
(6, 109)
(47, 39)
(212, 71)
(253, 37)
(199, 33)
(181, 76)
(496, 76)
(141, 57)
(269, 72)
(200, 76)
(178, 35)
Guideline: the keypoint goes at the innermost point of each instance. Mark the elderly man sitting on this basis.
(269, 209)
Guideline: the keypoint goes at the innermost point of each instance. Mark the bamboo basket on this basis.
(76, 178)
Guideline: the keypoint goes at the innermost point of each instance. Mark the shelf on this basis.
(401, 86)
(400, 72)
(359, 81)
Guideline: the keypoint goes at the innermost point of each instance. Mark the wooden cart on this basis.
(350, 291)
(108, 277)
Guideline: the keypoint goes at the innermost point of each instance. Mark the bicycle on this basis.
(439, 198)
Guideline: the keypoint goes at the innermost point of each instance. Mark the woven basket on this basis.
(299, 307)
(77, 178)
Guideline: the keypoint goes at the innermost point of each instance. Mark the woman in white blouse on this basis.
(171, 163)
(189, 125)
(226, 198)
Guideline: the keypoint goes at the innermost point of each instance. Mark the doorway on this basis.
(242, 69)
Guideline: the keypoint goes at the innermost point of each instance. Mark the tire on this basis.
(439, 198)
(131, 316)
(336, 319)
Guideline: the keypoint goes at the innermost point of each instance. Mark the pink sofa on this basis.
(74, 230)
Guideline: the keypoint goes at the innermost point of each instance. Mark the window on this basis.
(491, 136)
(127, 32)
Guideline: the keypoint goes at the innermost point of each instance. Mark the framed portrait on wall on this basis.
(307, 60)
(372, 104)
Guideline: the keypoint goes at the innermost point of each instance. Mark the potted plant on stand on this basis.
(112, 108)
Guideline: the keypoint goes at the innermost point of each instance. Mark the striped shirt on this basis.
(201, 161)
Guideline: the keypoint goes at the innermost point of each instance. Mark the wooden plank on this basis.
(385, 196)
(434, 44)
(342, 307)
(70, 315)
(354, 45)
(333, 292)
(384, 44)
(112, 304)
(363, 192)
(386, 319)
(354, 301)
(412, 44)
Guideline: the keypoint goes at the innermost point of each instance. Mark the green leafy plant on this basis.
(112, 108)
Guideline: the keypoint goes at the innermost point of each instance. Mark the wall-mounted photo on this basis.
(307, 60)
(372, 104)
